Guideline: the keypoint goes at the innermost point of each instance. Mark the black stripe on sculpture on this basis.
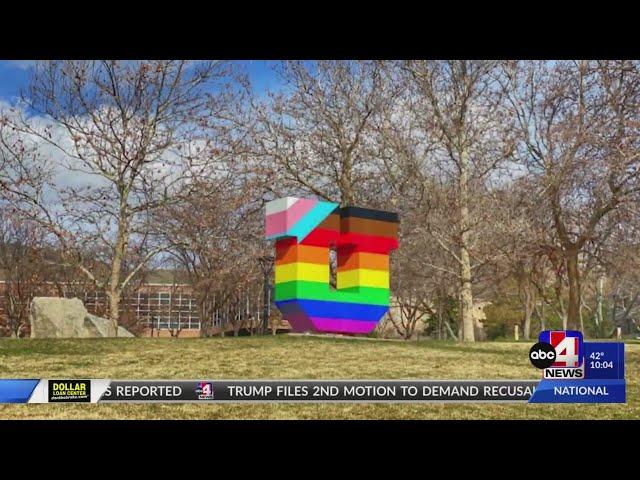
(370, 214)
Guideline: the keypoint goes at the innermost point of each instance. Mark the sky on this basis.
(261, 74)
(14, 75)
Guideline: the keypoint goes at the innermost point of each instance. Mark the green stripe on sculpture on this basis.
(321, 291)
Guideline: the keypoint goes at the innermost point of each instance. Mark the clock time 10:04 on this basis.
(597, 360)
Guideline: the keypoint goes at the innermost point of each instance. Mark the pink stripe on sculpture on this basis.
(282, 221)
(299, 321)
(341, 325)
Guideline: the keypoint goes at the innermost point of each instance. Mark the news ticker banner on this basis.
(249, 391)
(301, 391)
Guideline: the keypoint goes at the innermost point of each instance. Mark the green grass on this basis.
(293, 357)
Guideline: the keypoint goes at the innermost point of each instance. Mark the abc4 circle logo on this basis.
(542, 355)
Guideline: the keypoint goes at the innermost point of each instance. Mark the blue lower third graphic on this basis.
(16, 390)
(604, 360)
(580, 391)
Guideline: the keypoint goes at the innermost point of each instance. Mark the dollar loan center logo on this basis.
(69, 390)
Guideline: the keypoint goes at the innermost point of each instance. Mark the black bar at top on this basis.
(370, 214)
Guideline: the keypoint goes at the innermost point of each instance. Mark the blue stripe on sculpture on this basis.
(319, 308)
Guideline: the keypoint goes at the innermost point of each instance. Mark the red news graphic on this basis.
(204, 390)
(568, 346)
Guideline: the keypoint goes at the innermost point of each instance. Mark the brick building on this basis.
(165, 307)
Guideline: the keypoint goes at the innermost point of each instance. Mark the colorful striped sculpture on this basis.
(304, 231)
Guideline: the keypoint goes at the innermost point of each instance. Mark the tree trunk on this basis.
(346, 182)
(527, 298)
(114, 307)
(613, 311)
(581, 311)
(439, 316)
(600, 299)
(560, 310)
(573, 275)
(450, 330)
(466, 295)
(205, 314)
(528, 311)
(266, 298)
(114, 291)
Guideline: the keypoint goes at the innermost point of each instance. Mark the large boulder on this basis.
(98, 327)
(55, 317)
(123, 332)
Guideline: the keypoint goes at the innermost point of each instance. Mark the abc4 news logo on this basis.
(557, 349)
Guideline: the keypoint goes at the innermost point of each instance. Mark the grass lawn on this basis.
(292, 357)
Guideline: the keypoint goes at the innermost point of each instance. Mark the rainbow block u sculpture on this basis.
(305, 230)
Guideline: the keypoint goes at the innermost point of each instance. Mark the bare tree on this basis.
(520, 267)
(609, 278)
(124, 130)
(458, 105)
(578, 140)
(318, 130)
(24, 269)
(24, 170)
(219, 246)
(23, 175)
(408, 312)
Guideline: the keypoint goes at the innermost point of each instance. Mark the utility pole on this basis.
(266, 265)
